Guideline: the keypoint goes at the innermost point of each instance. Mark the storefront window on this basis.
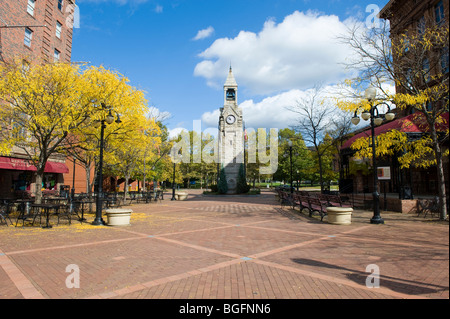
(22, 181)
(49, 182)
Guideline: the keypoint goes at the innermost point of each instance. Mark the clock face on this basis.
(230, 119)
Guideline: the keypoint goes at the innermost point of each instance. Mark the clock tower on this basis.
(231, 134)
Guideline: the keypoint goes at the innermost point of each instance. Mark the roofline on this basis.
(383, 12)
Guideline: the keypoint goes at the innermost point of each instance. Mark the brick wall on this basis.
(44, 40)
(80, 176)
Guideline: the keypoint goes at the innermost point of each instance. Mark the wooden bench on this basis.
(285, 198)
(336, 201)
(315, 205)
(301, 201)
(324, 199)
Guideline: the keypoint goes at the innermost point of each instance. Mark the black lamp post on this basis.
(375, 119)
(174, 159)
(99, 205)
(72, 193)
(290, 160)
(173, 183)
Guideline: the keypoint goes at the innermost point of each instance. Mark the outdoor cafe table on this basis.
(55, 200)
(47, 208)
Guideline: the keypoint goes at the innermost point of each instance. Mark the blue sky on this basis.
(179, 51)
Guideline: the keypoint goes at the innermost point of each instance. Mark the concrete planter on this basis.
(339, 215)
(181, 196)
(118, 217)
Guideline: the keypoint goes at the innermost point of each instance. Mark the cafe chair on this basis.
(65, 211)
(5, 211)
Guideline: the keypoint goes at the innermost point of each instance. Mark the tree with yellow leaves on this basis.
(111, 94)
(125, 152)
(44, 104)
(58, 106)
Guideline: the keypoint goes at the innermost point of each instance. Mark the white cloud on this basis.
(269, 113)
(294, 54)
(272, 112)
(159, 9)
(173, 133)
(157, 114)
(203, 34)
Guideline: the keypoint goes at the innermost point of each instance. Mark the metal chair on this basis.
(5, 211)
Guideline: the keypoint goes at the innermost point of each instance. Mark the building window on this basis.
(58, 29)
(60, 4)
(30, 7)
(28, 37)
(421, 26)
(439, 12)
(406, 45)
(57, 55)
(25, 67)
(444, 61)
(426, 70)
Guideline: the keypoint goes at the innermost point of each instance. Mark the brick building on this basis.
(36, 31)
(410, 17)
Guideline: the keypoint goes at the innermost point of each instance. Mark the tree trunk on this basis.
(38, 190)
(125, 191)
(320, 172)
(88, 181)
(440, 175)
(89, 186)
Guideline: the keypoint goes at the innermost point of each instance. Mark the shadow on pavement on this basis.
(396, 284)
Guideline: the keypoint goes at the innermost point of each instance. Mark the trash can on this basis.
(407, 192)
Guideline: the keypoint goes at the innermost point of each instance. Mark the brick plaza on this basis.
(233, 247)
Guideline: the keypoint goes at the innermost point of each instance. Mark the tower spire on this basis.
(230, 79)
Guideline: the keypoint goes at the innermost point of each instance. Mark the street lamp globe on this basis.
(389, 116)
(370, 93)
(378, 120)
(109, 118)
(365, 115)
(355, 120)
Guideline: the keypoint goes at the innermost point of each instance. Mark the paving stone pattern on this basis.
(233, 247)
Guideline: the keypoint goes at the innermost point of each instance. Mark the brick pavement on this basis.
(227, 248)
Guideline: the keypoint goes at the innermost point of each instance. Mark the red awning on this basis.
(19, 164)
(413, 123)
(56, 167)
